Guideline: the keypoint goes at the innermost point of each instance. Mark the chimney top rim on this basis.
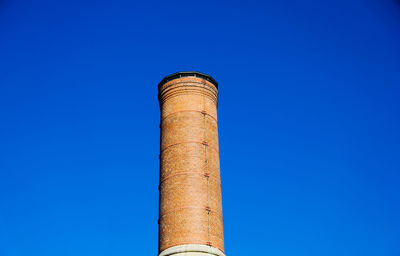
(187, 74)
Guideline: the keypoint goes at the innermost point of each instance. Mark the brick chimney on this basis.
(190, 213)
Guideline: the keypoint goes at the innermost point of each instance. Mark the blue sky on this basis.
(309, 120)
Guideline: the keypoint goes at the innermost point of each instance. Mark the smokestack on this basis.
(190, 212)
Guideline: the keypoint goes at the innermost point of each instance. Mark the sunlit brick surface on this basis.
(190, 188)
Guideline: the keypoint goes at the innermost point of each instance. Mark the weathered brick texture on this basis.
(190, 188)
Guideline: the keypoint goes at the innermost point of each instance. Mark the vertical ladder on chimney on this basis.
(206, 174)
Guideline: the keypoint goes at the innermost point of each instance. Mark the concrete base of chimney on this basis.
(192, 250)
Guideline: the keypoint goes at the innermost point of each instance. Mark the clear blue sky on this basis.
(309, 123)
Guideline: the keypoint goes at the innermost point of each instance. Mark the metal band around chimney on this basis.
(192, 249)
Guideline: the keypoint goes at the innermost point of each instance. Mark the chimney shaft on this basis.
(190, 212)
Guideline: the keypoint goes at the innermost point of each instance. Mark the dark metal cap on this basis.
(188, 74)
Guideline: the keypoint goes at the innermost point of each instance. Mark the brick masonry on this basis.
(190, 190)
